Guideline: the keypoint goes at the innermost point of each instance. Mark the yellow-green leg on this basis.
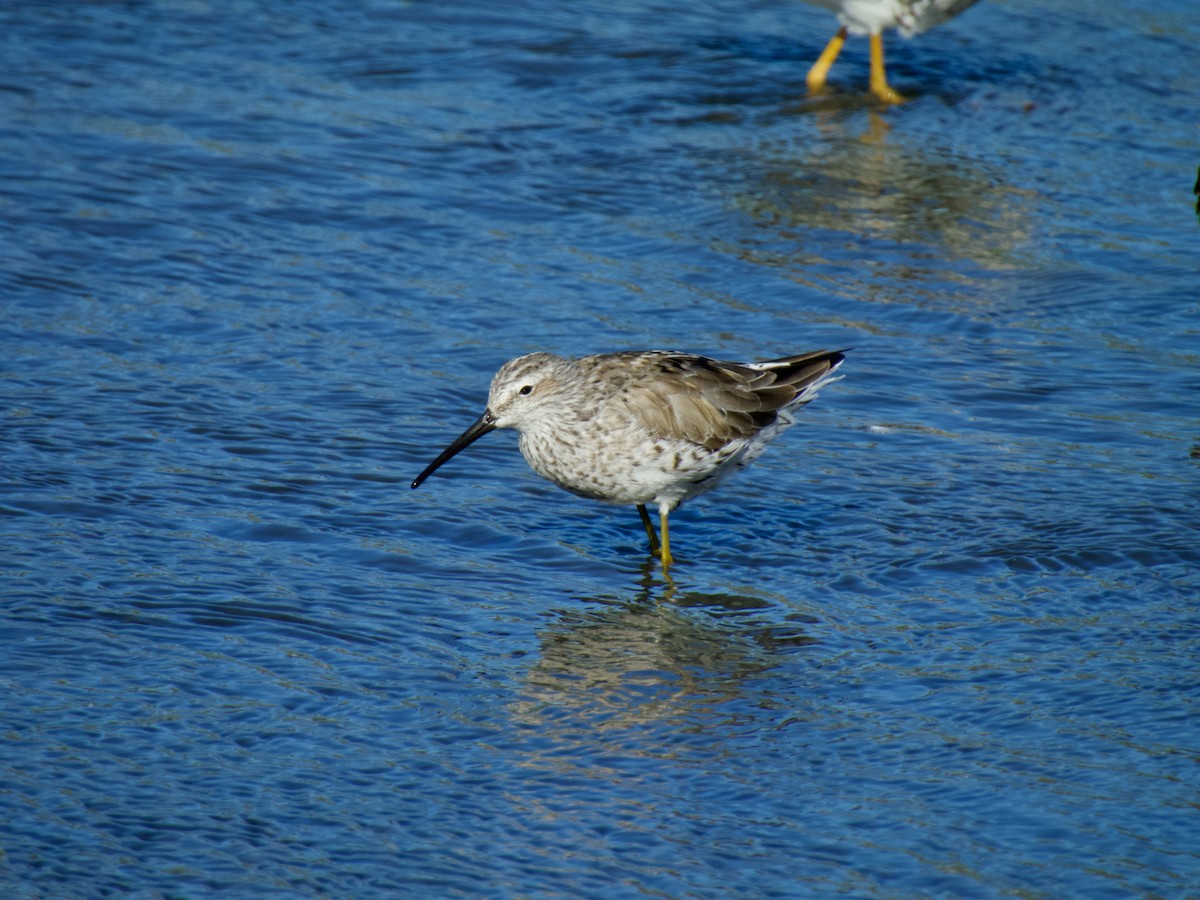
(666, 540)
(820, 69)
(663, 550)
(879, 85)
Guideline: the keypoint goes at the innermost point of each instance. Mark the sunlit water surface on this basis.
(259, 263)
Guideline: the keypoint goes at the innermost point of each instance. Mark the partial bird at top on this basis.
(871, 17)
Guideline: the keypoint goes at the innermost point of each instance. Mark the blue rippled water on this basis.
(260, 262)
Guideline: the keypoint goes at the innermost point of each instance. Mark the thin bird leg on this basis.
(649, 529)
(879, 85)
(820, 69)
(666, 540)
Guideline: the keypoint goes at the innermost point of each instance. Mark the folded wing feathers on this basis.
(711, 403)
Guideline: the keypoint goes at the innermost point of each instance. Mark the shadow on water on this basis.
(665, 653)
(862, 178)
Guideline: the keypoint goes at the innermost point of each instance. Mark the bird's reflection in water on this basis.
(873, 182)
(663, 654)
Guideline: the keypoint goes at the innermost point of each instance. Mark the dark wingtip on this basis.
(836, 357)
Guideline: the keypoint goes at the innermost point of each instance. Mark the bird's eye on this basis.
(526, 390)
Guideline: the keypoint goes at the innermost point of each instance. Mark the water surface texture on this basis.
(260, 261)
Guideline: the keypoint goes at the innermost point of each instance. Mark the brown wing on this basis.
(708, 402)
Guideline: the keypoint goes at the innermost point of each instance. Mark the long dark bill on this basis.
(482, 426)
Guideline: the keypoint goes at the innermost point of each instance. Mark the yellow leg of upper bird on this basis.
(666, 540)
(649, 526)
(820, 69)
(879, 85)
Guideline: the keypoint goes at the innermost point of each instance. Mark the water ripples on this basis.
(936, 641)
